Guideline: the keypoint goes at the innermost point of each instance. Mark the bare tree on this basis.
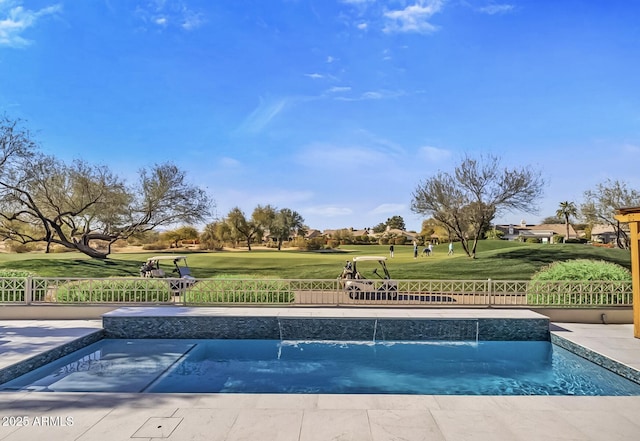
(467, 200)
(85, 207)
(601, 204)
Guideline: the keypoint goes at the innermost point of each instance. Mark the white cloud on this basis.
(227, 162)
(413, 18)
(362, 26)
(330, 59)
(434, 154)
(338, 89)
(263, 114)
(374, 95)
(388, 208)
(328, 211)
(343, 157)
(494, 8)
(631, 148)
(170, 13)
(191, 20)
(368, 152)
(15, 19)
(357, 2)
(314, 76)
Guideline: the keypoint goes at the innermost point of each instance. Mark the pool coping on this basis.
(25, 366)
(615, 366)
(281, 323)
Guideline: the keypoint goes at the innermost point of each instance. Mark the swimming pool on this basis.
(337, 367)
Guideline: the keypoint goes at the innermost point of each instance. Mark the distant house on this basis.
(312, 234)
(544, 233)
(364, 232)
(511, 231)
(550, 230)
(394, 232)
(603, 233)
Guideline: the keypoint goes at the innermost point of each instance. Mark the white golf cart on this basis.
(170, 267)
(367, 278)
(176, 265)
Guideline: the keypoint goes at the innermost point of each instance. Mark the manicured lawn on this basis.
(498, 260)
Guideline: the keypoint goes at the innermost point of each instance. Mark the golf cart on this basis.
(172, 267)
(357, 279)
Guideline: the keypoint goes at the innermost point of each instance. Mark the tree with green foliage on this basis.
(180, 234)
(467, 200)
(493, 234)
(214, 235)
(343, 235)
(287, 223)
(264, 218)
(430, 227)
(396, 222)
(602, 203)
(242, 228)
(566, 211)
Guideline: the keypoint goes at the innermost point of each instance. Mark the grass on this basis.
(499, 260)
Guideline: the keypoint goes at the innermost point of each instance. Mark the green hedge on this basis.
(579, 282)
(582, 269)
(116, 290)
(239, 289)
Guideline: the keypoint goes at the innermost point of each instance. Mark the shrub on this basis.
(61, 249)
(332, 243)
(16, 247)
(494, 234)
(400, 240)
(215, 245)
(113, 290)
(156, 246)
(583, 269)
(546, 285)
(316, 243)
(299, 242)
(246, 288)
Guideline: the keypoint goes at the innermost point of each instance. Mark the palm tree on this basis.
(567, 209)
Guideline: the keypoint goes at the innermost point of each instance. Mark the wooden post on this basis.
(632, 217)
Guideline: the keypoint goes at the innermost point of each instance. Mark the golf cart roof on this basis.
(361, 258)
(166, 257)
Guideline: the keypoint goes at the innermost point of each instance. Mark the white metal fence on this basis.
(141, 291)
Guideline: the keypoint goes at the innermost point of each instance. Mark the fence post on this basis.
(28, 291)
(490, 292)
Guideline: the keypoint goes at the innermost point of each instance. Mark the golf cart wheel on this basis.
(354, 292)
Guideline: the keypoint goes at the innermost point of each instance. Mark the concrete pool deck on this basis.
(109, 416)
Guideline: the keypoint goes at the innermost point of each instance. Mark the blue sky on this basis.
(334, 108)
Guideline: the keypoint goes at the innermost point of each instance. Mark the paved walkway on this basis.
(260, 417)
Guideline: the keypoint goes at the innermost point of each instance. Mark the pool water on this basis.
(271, 366)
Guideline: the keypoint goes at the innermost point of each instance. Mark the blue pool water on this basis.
(268, 366)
